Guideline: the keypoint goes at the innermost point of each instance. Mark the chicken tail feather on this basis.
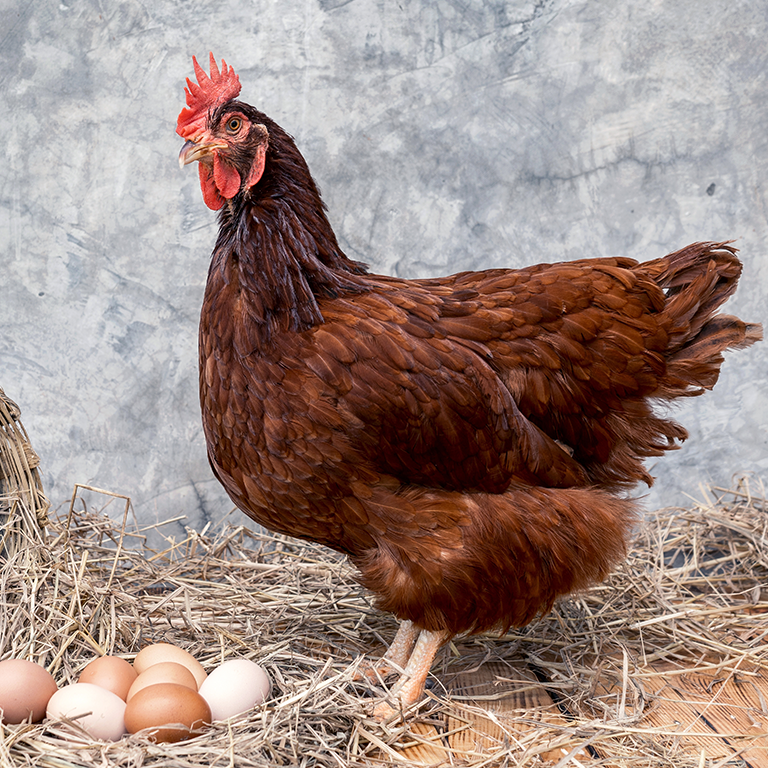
(698, 279)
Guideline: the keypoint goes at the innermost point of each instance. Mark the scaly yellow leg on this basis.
(411, 683)
(401, 648)
(396, 657)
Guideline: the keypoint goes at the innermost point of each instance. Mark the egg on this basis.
(98, 711)
(154, 654)
(110, 672)
(25, 688)
(163, 672)
(235, 687)
(171, 712)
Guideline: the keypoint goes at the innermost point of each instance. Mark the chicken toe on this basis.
(411, 683)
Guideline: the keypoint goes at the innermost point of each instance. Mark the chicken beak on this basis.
(198, 150)
(188, 153)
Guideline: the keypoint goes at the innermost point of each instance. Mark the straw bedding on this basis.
(22, 501)
(691, 590)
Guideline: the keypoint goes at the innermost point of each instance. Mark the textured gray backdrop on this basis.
(446, 135)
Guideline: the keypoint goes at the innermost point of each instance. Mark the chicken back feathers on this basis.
(465, 440)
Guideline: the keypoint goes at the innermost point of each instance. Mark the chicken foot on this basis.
(411, 683)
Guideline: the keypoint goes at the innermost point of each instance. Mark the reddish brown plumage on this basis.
(465, 440)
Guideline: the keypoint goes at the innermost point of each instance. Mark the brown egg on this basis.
(163, 672)
(110, 672)
(170, 712)
(154, 654)
(25, 688)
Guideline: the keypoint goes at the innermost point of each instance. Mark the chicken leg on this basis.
(411, 683)
(401, 647)
(394, 659)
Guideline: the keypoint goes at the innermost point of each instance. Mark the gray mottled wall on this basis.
(445, 135)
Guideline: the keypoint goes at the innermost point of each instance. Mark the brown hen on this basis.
(464, 440)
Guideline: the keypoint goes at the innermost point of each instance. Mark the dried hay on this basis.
(692, 594)
(23, 505)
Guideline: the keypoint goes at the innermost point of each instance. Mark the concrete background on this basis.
(445, 135)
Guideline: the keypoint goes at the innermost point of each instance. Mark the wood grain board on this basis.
(499, 706)
(719, 716)
(495, 707)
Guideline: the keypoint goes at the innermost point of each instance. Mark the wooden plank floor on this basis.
(499, 705)
(719, 717)
(495, 705)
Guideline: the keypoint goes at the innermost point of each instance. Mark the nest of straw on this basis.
(692, 588)
(23, 504)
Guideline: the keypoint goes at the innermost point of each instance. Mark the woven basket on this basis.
(23, 505)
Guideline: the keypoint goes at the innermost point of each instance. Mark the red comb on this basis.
(206, 94)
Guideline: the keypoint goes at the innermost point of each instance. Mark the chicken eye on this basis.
(233, 124)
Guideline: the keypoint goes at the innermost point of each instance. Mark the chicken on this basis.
(467, 441)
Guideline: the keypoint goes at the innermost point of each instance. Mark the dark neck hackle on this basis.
(276, 241)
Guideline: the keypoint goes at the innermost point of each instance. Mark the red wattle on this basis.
(226, 177)
(211, 195)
